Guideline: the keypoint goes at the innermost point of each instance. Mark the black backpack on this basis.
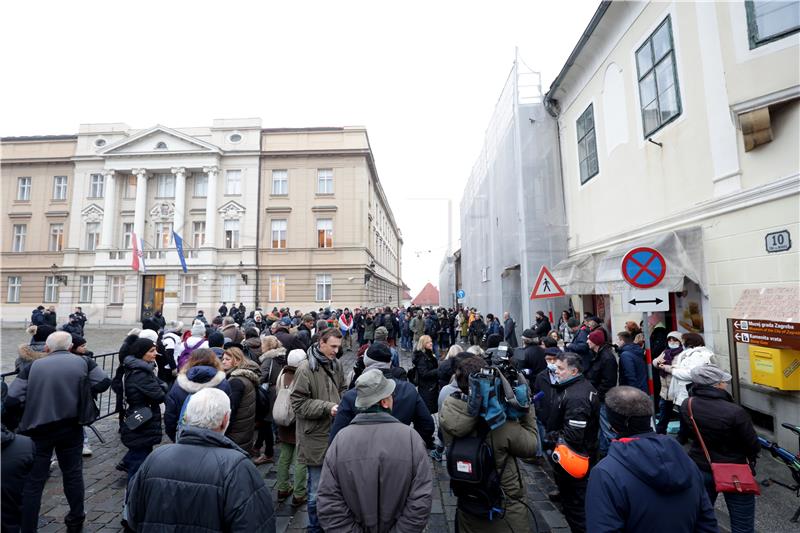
(474, 478)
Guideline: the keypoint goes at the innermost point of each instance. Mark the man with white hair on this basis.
(227, 492)
(49, 389)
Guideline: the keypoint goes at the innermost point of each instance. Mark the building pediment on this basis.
(231, 211)
(92, 213)
(159, 140)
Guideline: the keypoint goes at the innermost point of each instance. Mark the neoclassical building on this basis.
(74, 203)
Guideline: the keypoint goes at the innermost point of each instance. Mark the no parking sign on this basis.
(643, 267)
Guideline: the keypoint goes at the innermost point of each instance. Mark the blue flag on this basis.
(179, 247)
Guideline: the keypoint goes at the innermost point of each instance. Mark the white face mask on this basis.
(674, 345)
(551, 367)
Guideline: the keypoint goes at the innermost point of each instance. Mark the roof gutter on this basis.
(551, 104)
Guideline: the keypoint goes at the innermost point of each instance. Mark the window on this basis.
(277, 288)
(587, 145)
(231, 235)
(96, 185)
(485, 274)
(23, 188)
(14, 286)
(129, 187)
(198, 234)
(127, 235)
(200, 185)
(92, 235)
(279, 233)
(324, 233)
(189, 289)
(658, 79)
(20, 232)
(165, 186)
(161, 145)
(56, 241)
(280, 182)
(235, 138)
(117, 285)
(323, 287)
(59, 187)
(85, 295)
(325, 181)
(50, 290)
(99, 143)
(233, 182)
(228, 288)
(163, 237)
(768, 21)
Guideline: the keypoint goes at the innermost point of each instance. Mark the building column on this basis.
(180, 200)
(211, 202)
(141, 202)
(109, 210)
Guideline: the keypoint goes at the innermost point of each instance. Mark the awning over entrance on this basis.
(601, 273)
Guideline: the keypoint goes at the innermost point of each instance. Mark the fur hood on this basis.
(28, 352)
(275, 353)
(248, 370)
(199, 378)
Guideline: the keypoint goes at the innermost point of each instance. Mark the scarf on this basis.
(669, 355)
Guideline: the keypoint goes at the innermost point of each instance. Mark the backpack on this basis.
(187, 351)
(282, 412)
(263, 400)
(474, 478)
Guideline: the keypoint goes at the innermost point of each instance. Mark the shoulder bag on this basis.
(728, 477)
(88, 411)
(134, 417)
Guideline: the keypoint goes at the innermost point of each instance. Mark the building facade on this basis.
(78, 205)
(679, 125)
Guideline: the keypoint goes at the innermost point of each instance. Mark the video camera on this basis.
(499, 392)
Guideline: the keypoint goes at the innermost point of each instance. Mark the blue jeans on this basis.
(741, 507)
(606, 435)
(134, 459)
(314, 471)
(541, 431)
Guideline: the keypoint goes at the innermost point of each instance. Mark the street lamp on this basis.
(241, 272)
(58, 277)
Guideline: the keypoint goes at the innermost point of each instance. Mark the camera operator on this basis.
(530, 358)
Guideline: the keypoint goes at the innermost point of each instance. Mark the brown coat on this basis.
(243, 381)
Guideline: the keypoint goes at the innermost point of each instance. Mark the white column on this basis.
(141, 201)
(109, 210)
(211, 202)
(180, 200)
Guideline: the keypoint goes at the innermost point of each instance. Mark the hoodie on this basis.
(648, 483)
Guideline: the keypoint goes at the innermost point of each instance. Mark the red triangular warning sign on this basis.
(546, 286)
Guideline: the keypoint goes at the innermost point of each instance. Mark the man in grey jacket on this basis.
(49, 388)
(376, 475)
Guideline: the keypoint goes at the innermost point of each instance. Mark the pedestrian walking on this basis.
(510, 330)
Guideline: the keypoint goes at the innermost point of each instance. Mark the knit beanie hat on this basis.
(216, 340)
(150, 323)
(296, 357)
(148, 334)
(597, 337)
(42, 332)
(77, 341)
(140, 347)
(377, 353)
(529, 334)
(198, 329)
(381, 333)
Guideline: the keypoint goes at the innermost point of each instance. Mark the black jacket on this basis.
(542, 327)
(541, 384)
(602, 370)
(530, 359)
(726, 428)
(445, 372)
(574, 415)
(408, 407)
(225, 490)
(579, 344)
(143, 389)
(17, 462)
(428, 379)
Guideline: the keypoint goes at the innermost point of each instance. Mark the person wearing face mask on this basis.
(542, 326)
(543, 392)
(674, 348)
(573, 420)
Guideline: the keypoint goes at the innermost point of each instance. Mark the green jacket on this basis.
(417, 327)
(315, 393)
(510, 441)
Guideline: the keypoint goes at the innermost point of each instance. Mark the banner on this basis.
(179, 247)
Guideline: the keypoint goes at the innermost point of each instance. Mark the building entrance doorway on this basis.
(152, 295)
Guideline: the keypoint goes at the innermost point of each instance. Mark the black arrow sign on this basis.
(635, 301)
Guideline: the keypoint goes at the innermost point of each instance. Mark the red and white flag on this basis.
(135, 259)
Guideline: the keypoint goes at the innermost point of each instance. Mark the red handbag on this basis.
(728, 477)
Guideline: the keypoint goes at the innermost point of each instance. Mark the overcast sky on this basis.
(423, 77)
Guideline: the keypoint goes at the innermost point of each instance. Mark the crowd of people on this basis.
(356, 446)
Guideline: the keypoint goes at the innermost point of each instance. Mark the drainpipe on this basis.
(258, 219)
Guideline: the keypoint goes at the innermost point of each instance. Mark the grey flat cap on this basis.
(372, 387)
(709, 375)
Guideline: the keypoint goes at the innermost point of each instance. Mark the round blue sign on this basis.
(460, 294)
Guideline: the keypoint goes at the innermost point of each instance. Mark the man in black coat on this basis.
(17, 462)
(530, 359)
(602, 372)
(228, 493)
(223, 310)
(542, 326)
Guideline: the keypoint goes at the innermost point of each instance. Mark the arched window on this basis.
(161, 145)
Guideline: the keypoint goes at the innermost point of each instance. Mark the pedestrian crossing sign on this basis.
(546, 286)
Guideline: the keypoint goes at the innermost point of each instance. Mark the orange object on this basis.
(573, 463)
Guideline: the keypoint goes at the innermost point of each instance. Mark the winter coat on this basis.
(221, 488)
(143, 389)
(253, 345)
(666, 378)
(50, 318)
(272, 363)
(511, 334)
(427, 378)
(287, 434)
(318, 387)
(542, 383)
(48, 387)
(376, 478)
(530, 359)
(18, 451)
(725, 426)
(510, 441)
(369, 329)
(243, 381)
(192, 342)
(633, 367)
(286, 339)
(602, 370)
(445, 371)
(574, 415)
(232, 332)
(408, 408)
(37, 317)
(682, 367)
(195, 379)
(542, 327)
(28, 353)
(417, 326)
(647, 483)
